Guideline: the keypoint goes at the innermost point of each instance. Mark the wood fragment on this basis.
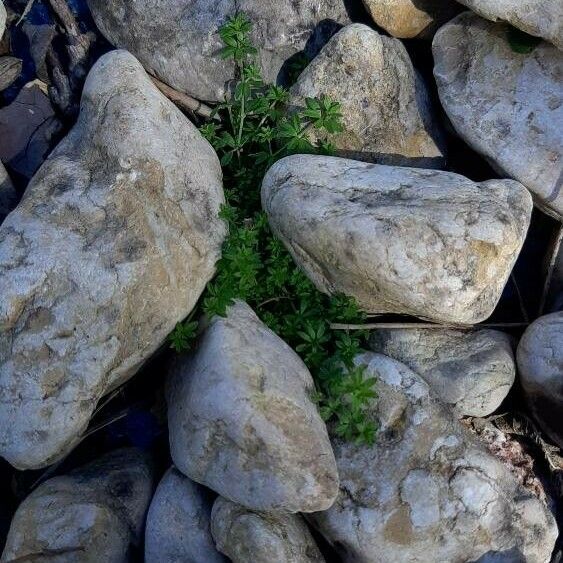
(183, 101)
(374, 326)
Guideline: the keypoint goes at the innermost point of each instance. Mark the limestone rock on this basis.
(543, 18)
(540, 365)
(244, 535)
(111, 246)
(508, 106)
(407, 19)
(241, 420)
(386, 110)
(178, 523)
(8, 193)
(427, 490)
(95, 513)
(472, 371)
(400, 240)
(178, 40)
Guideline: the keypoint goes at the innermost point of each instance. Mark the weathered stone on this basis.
(3, 17)
(427, 490)
(28, 130)
(111, 246)
(407, 19)
(95, 513)
(241, 420)
(400, 240)
(385, 106)
(178, 523)
(8, 195)
(543, 18)
(178, 40)
(540, 365)
(508, 106)
(244, 535)
(472, 371)
(40, 37)
(10, 69)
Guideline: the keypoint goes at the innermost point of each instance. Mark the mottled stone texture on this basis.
(540, 365)
(96, 513)
(113, 243)
(178, 523)
(472, 371)
(8, 194)
(407, 19)
(508, 106)
(244, 535)
(386, 110)
(543, 18)
(400, 240)
(178, 40)
(241, 420)
(427, 490)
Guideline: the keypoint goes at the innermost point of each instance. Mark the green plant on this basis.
(521, 42)
(255, 130)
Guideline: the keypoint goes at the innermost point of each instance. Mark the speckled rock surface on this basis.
(400, 240)
(178, 40)
(427, 490)
(542, 18)
(540, 365)
(112, 245)
(241, 420)
(386, 110)
(3, 17)
(407, 19)
(95, 513)
(506, 105)
(244, 535)
(8, 194)
(178, 523)
(472, 371)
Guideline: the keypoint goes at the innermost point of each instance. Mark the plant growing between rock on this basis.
(256, 129)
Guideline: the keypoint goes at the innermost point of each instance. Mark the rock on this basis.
(386, 110)
(40, 37)
(508, 106)
(8, 195)
(540, 365)
(427, 490)
(3, 18)
(241, 420)
(400, 240)
(543, 18)
(408, 19)
(112, 245)
(29, 129)
(10, 69)
(472, 371)
(93, 514)
(244, 535)
(178, 40)
(178, 523)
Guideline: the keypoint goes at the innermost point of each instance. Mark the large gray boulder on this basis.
(244, 535)
(241, 420)
(178, 40)
(178, 523)
(409, 19)
(95, 513)
(8, 195)
(427, 490)
(472, 371)
(540, 365)
(111, 246)
(400, 240)
(508, 106)
(543, 18)
(386, 111)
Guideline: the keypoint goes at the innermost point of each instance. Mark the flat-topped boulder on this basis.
(400, 240)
